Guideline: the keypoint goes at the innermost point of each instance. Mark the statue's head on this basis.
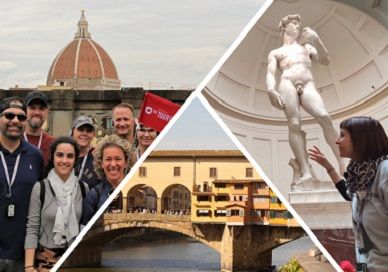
(286, 20)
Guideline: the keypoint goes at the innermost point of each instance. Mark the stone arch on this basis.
(140, 197)
(179, 228)
(176, 198)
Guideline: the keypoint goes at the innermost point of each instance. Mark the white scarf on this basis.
(66, 225)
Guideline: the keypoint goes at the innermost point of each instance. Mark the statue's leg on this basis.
(296, 139)
(312, 102)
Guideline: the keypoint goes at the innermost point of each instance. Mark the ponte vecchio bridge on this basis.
(213, 197)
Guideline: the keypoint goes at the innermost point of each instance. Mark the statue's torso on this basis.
(295, 63)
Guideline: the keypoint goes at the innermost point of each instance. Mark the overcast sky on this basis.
(172, 42)
(195, 129)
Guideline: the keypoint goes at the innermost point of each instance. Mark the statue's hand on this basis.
(276, 100)
(308, 36)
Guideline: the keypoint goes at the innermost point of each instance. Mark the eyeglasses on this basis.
(10, 116)
(67, 155)
(150, 131)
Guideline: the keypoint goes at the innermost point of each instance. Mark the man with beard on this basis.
(37, 113)
(124, 121)
(20, 167)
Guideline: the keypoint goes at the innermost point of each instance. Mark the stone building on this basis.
(220, 186)
(83, 64)
(83, 80)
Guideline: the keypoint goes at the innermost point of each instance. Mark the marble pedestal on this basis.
(329, 216)
(322, 208)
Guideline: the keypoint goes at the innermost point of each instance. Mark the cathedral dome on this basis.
(83, 64)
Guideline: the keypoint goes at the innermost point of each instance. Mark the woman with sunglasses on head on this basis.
(363, 140)
(110, 163)
(55, 208)
(144, 137)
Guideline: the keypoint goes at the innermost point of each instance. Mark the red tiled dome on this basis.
(83, 64)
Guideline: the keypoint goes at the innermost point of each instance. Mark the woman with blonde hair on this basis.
(110, 163)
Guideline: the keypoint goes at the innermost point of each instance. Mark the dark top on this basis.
(89, 176)
(13, 229)
(341, 187)
(94, 200)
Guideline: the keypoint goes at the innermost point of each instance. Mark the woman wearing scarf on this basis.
(110, 163)
(363, 140)
(55, 208)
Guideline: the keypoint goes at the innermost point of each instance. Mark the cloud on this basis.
(150, 41)
(7, 67)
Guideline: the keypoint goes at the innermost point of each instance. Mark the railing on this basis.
(144, 216)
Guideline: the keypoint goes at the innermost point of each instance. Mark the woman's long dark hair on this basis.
(368, 137)
(53, 148)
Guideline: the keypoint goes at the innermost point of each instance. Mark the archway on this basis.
(142, 198)
(176, 200)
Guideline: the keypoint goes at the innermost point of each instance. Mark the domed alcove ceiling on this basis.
(354, 83)
(83, 64)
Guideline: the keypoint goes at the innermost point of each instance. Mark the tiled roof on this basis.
(196, 153)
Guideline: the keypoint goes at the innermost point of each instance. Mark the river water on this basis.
(176, 253)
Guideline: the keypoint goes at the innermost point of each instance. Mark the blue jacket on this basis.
(13, 229)
(94, 200)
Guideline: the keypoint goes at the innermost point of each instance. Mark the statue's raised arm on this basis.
(318, 52)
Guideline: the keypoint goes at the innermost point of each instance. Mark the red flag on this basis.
(156, 111)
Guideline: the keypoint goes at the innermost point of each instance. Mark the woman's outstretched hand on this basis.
(316, 155)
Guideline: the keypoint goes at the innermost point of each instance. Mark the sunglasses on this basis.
(10, 116)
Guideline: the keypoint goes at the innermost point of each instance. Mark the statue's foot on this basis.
(306, 177)
(305, 183)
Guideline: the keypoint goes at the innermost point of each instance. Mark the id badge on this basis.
(11, 210)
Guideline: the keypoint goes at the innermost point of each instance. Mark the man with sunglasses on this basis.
(83, 132)
(20, 167)
(37, 113)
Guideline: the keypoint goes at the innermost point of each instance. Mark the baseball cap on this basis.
(82, 120)
(13, 102)
(36, 95)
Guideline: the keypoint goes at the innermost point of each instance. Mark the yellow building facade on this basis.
(214, 186)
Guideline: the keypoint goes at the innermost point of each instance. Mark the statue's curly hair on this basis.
(286, 20)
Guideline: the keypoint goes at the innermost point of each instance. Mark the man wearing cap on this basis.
(20, 167)
(83, 132)
(37, 112)
(124, 121)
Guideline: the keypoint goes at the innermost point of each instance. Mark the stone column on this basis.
(159, 205)
(62, 112)
(246, 248)
(125, 204)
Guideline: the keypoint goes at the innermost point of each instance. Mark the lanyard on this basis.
(40, 139)
(81, 171)
(15, 170)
